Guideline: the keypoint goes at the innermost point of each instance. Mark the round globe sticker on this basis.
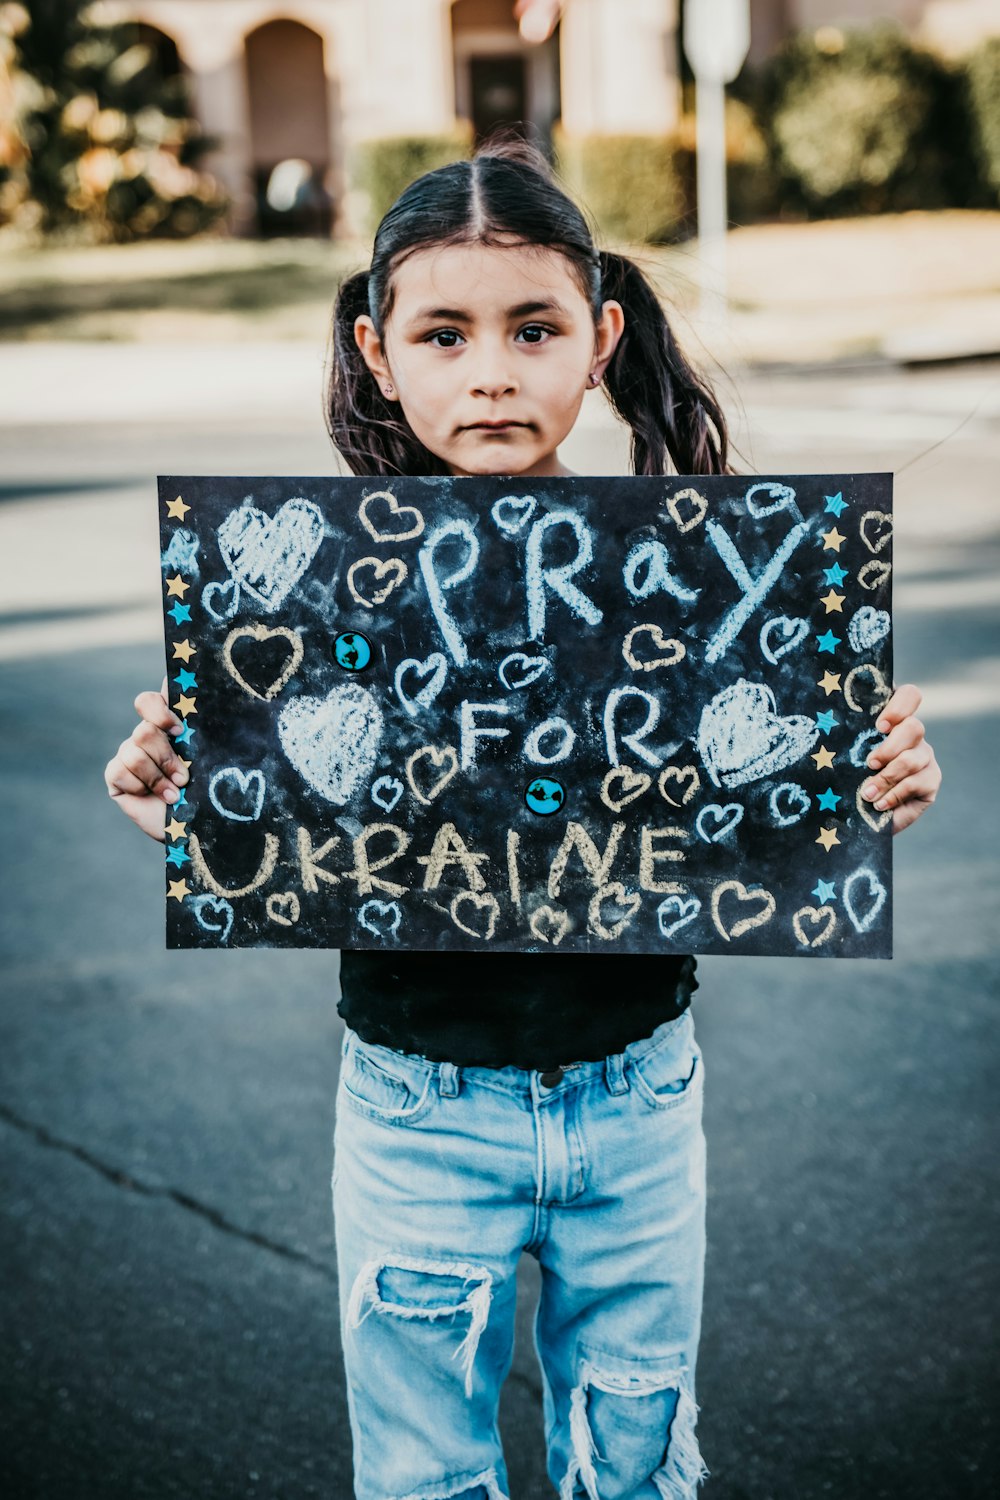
(544, 796)
(352, 650)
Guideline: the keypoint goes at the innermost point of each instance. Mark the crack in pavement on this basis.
(131, 1184)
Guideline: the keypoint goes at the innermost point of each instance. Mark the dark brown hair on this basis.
(506, 193)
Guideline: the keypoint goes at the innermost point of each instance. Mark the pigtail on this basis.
(367, 430)
(653, 388)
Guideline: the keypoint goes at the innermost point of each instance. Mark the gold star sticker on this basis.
(185, 763)
(823, 759)
(176, 830)
(183, 650)
(177, 586)
(830, 683)
(177, 509)
(178, 889)
(185, 706)
(832, 540)
(828, 837)
(833, 602)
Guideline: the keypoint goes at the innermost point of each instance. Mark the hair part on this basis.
(506, 193)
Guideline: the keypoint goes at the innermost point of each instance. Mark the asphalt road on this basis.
(168, 1323)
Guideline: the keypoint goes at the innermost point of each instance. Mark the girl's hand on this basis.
(144, 776)
(908, 774)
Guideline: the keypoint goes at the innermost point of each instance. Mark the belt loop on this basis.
(614, 1074)
(448, 1080)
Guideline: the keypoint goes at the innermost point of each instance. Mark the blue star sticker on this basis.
(181, 798)
(825, 720)
(178, 855)
(184, 738)
(179, 612)
(186, 680)
(824, 891)
(835, 575)
(826, 642)
(835, 504)
(828, 800)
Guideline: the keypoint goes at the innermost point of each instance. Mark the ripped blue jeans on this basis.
(442, 1176)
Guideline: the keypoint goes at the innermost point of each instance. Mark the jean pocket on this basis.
(669, 1072)
(383, 1084)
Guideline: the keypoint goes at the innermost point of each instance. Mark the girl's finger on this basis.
(122, 782)
(911, 798)
(154, 709)
(905, 736)
(134, 758)
(908, 763)
(161, 750)
(904, 701)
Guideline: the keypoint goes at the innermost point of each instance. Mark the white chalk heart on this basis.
(876, 529)
(670, 652)
(698, 503)
(679, 774)
(741, 738)
(879, 692)
(261, 633)
(380, 917)
(822, 919)
(868, 626)
(767, 905)
(781, 496)
(486, 909)
(874, 574)
(797, 802)
(406, 519)
(686, 911)
(376, 588)
(512, 512)
(207, 907)
(267, 555)
(236, 794)
(447, 758)
(549, 925)
(863, 915)
(724, 818)
(228, 596)
(781, 635)
(332, 742)
(622, 785)
(625, 904)
(518, 670)
(875, 821)
(283, 908)
(386, 792)
(430, 673)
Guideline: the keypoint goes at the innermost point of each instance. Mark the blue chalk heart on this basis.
(781, 635)
(386, 792)
(236, 794)
(227, 593)
(797, 802)
(725, 819)
(511, 513)
(782, 496)
(380, 917)
(686, 912)
(518, 670)
(205, 907)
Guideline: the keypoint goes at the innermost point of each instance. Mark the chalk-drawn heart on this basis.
(781, 497)
(868, 626)
(332, 742)
(518, 670)
(670, 651)
(859, 752)
(796, 802)
(228, 596)
(725, 820)
(874, 574)
(386, 792)
(781, 635)
(764, 899)
(406, 519)
(699, 506)
(430, 673)
(875, 695)
(483, 918)
(622, 785)
(624, 905)
(686, 911)
(261, 633)
(283, 908)
(863, 911)
(549, 925)
(431, 755)
(267, 555)
(371, 580)
(876, 821)
(380, 917)
(512, 512)
(680, 774)
(236, 794)
(822, 920)
(876, 529)
(741, 738)
(207, 907)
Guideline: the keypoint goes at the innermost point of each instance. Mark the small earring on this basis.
(388, 390)
(593, 377)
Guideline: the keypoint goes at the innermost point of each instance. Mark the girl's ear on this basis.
(370, 345)
(610, 328)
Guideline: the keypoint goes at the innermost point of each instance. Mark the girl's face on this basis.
(490, 334)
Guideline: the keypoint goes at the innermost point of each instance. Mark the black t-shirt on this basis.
(497, 1009)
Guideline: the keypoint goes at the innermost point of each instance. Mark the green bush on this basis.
(629, 184)
(983, 84)
(862, 121)
(383, 167)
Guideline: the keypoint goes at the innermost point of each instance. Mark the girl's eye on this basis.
(451, 333)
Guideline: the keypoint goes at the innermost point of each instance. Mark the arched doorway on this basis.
(500, 79)
(289, 128)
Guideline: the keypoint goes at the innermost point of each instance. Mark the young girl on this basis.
(491, 1106)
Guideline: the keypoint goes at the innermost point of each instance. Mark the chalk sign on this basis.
(582, 714)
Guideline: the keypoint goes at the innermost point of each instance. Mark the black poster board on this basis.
(585, 714)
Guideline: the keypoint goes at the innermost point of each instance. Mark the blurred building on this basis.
(294, 86)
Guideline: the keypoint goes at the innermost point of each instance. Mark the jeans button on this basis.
(552, 1077)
